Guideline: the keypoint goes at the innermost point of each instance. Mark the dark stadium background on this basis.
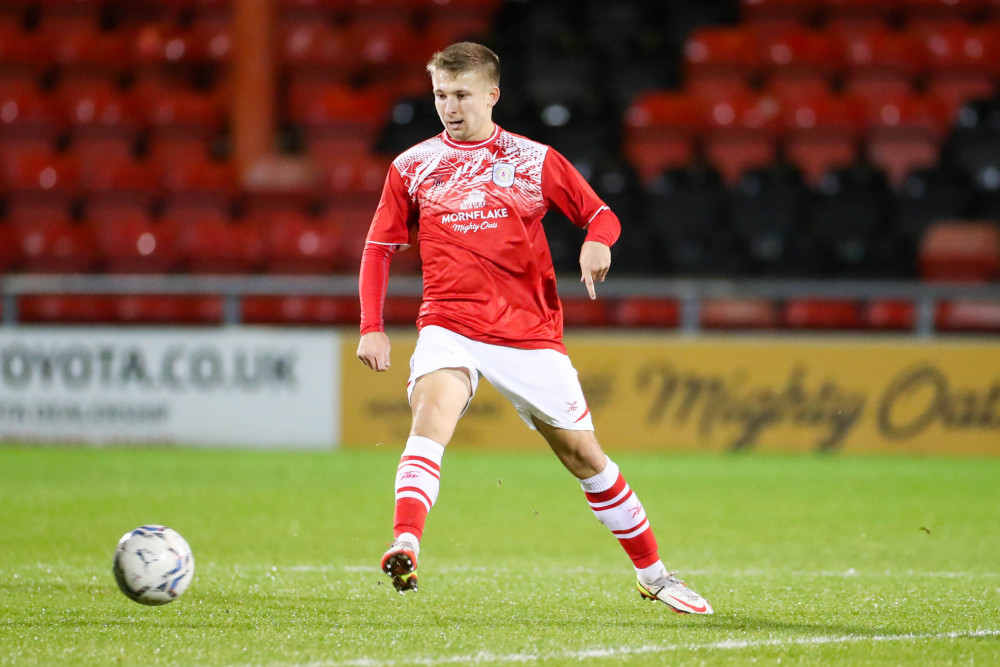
(813, 165)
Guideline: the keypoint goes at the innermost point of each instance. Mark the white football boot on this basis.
(670, 590)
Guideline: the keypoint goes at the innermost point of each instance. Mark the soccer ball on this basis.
(153, 564)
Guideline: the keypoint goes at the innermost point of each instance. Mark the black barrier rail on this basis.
(690, 293)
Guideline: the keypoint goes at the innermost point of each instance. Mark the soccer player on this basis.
(476, 195)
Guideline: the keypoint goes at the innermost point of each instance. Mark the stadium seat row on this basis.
(286, 243)
(715, 314)
(864, 11)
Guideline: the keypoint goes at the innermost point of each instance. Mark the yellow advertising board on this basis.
(669, 392)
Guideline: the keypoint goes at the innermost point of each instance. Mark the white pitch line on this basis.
(64, 569)
(695, 572)
(485, 657)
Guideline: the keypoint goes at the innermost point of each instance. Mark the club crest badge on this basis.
(503, 174)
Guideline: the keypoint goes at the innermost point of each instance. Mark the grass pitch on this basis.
(806, 559)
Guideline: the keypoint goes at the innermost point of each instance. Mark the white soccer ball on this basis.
(153, 564)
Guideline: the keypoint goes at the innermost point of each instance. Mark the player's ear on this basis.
(493, 97)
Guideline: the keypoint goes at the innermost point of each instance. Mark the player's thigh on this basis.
(437, 400)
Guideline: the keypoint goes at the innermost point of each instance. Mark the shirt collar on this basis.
(471, 145)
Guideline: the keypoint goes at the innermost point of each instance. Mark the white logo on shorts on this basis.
(503, 174)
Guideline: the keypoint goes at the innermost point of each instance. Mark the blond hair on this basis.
(465, 57)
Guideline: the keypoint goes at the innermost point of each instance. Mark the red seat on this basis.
(342, 122)
(739, 314)
(67, 10)
(393, 55)
(647, 312)
(800, 55)
(213, 32)
(890, 314)
(821, 133)
(777, 15)
(445, 27)
(963, 62)
(661, 130)
(87, 54)
(859, 15)
(280, 184)
(294, 13)
(741, 134)
(319, 44)
(296, 243)
(822, 314)
(66, 309)
(166, 43)
(167, 309)
(352, 186)
(10, 251)
(905, 133)
(137, 244)
(585, 312)
(197, 186)
(960, 251)
(212, 245)
(42, 185)
(353, 230)
(23, 57)
(30, 122)
(182, 123)
(968, 316)
(316, 56)
(303, 309)
(120, 188)
(388, 42)
(57, 246)
(798, 87)
(720, 57)
(937, 11)
(103, 126)
(881, 63)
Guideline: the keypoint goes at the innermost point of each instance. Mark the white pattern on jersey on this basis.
(472, 170)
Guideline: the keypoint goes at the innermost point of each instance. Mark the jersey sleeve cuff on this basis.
(604, 228)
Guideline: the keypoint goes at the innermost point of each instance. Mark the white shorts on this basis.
(540, 383)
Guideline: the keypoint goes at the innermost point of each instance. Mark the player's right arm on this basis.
(389, 230)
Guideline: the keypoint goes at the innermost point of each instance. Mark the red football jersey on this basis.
(478, 208)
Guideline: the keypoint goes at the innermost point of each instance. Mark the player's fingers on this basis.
(588, 280)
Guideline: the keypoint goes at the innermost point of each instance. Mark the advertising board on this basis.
(733, 393)
(258, 387)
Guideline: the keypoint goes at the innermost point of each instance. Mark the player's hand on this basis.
(373, 350)
(595, 260)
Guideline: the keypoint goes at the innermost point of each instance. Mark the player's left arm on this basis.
(564, 188)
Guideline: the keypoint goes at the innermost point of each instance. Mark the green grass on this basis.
(806, 559)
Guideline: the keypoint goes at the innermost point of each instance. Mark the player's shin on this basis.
(618, 508)
(418, 479)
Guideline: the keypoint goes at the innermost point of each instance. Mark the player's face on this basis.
(465, 104)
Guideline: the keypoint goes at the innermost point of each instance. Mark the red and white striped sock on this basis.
(418, 479)
(617, 507)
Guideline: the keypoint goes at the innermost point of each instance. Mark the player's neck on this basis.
(483, 138)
